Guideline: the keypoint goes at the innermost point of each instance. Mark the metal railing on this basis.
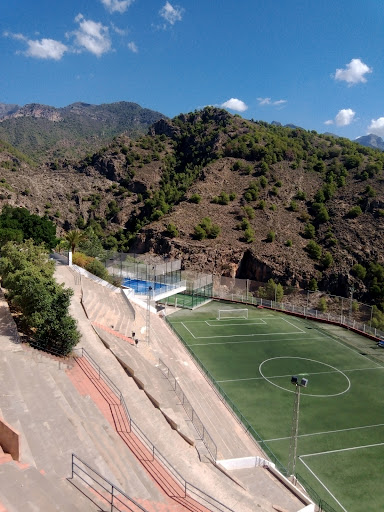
(196, 421)
(189, 489)
(103, 488)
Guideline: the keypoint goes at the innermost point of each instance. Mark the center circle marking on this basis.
(305, 359)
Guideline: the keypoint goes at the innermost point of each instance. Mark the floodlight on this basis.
(304, 383)
(294, 379)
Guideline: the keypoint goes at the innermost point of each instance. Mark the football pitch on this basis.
(340, 450)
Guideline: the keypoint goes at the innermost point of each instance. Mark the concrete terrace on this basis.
(60, 408)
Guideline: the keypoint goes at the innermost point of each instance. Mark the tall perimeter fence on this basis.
(344, 311)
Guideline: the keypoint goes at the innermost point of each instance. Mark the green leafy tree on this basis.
(28, 275)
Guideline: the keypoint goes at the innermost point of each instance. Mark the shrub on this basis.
(321, 212)
(322, 305)
(354, 212)
(289, 243)
(300, 195)
(172, 230)
(245, 224)
(200, 232)
(205, 229)
(271, 236)
(249, 235)
(293, 206)
(249, 211)
(97, 268)
(309, 231)
(314, 250)
(262, 204)
(313, 286)
(359, 271)
(327, 260)
(195, 198)
(263, 182)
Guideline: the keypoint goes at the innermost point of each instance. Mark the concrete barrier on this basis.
(9, 440)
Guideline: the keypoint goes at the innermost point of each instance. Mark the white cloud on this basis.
(45, 49)
(344, 117)
(171, 14)
(235, 104)
(377, 127)
(40, 49)
(119, 31)
(92, 36)
(117, 5)
(354, 72)
(132, 46)
(268, 101)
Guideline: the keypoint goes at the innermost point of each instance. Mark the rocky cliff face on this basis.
(36, 111)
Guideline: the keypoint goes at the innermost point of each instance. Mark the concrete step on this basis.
(29, 490)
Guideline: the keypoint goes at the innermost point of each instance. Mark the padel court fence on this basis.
(192, 415)
(323, 506)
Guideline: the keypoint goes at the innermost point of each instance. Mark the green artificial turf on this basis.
(341, 424)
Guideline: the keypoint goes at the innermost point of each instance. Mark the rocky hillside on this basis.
(47, 133)
(227, 195)
(371, 141)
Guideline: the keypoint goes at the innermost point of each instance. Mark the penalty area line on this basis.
(326, 432)
(323, 485)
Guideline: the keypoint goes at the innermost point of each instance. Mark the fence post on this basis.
(72, 467)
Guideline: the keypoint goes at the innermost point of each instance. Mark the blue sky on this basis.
(314, 63)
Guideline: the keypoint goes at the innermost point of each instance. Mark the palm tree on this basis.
(74, 237)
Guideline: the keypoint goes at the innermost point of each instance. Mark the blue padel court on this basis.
(140, 286)
(251, 354)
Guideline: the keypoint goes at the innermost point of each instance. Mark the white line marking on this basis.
(342, 450)
(305, 359)
(186, 328)
(323, 433)
(293, 325)
(240, 342)
(308, 373)
(354, 350)
(321, 483)
(223, 326)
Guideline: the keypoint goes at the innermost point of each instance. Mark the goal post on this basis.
(223, 314)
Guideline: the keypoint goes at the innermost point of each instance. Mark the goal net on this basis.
(232, 313)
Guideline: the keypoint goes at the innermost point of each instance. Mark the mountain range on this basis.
(229, 196)
(48, 133)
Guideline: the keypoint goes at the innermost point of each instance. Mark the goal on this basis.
(232, 313)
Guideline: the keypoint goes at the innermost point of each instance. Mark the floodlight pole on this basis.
(148, 318)
(295, 426)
